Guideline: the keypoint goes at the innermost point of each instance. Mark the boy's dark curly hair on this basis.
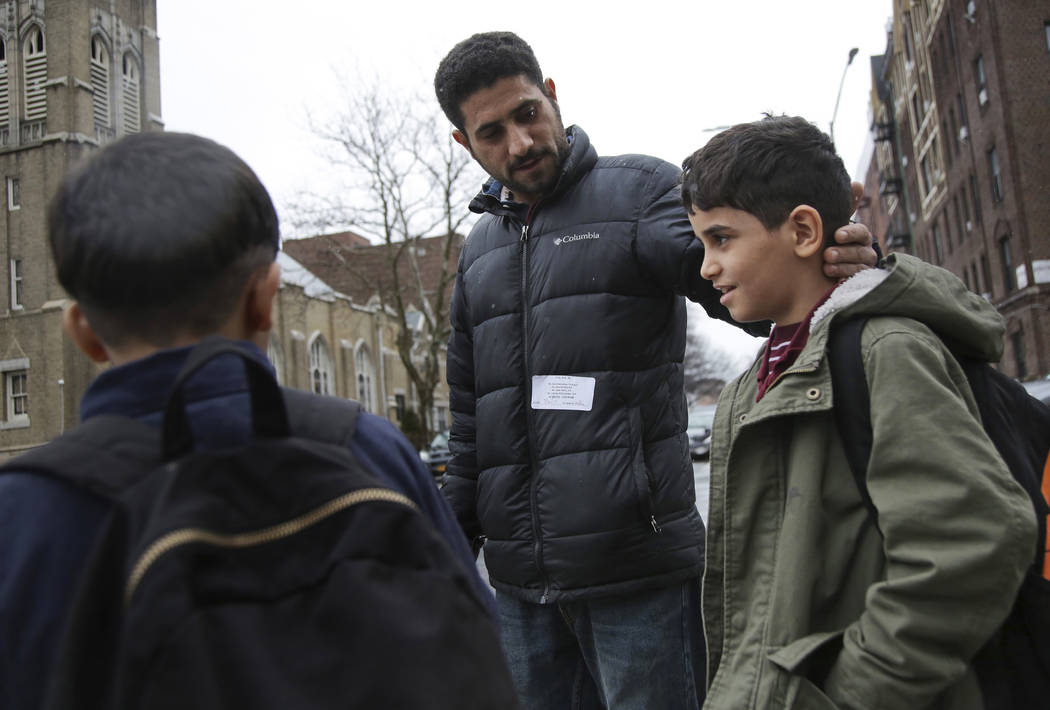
(158, 234)
(479, 62)
(767, 168)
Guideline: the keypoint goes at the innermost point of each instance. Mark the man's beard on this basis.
(560, 153)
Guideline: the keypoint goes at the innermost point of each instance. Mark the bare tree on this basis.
(406, 180)
(708, 363)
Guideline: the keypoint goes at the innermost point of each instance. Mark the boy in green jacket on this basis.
(806, 604)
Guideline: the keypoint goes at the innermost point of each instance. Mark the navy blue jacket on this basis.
(47, 528)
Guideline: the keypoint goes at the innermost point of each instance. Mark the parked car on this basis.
(1040, 389)
(436, 455)
(699, 431)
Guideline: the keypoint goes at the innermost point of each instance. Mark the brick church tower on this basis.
(74, 75)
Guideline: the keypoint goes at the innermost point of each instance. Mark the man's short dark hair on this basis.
(479, 62)
(767, 168)
(158, 234)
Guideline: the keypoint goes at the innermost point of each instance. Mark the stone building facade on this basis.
(327, 342)
(962, 120)
(74, 75)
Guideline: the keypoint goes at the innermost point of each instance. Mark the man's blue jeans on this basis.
(642, 651)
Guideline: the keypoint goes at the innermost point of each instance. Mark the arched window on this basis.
(276, 356)
(320, 366)
(100, 82)
(365, 378)
(5, 96)
(130, 93)
(35, 74)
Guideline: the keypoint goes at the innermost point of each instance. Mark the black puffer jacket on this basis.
(589, 284)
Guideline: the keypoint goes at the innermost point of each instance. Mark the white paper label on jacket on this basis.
(562, 392)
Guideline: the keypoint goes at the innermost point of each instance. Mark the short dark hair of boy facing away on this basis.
(768, 168)
(157, 235)
(479, 62)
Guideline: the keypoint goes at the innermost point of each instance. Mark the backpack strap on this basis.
(852, 401)
(328, 419)
(106, 454)
(1017, 424)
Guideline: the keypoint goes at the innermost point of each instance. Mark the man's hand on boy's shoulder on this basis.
(854, 253)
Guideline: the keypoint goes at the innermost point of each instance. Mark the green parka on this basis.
(806, 604)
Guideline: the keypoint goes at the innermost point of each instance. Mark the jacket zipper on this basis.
(186, 536)
(537, 549)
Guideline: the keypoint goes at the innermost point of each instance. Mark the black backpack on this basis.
(1014, 666)
(278, 574)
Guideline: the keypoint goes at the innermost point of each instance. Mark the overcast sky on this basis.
(639, 77)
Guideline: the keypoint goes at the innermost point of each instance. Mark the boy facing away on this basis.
(805, 603)
(161, 239)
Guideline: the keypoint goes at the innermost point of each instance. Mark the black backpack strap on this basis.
(852, 402)
(327, 419)
(267, 406)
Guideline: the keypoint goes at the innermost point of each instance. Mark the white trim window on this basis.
(130, 94)
(17, 303)
(14, 194)
(15, 379)
(366, 374)
(35, 75)
(321, 381)
(100, 83)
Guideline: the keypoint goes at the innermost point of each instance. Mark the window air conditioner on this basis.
(964, 133)
(982, 97)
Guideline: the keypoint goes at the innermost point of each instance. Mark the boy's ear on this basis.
(258, 307)
(75, 323)
(807, 231)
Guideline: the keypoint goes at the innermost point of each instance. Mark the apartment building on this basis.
(961, 122)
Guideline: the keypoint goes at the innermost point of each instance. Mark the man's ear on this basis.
(258, 304)
(75, 323)
(461, 138)
(548, 84)
(807, 231)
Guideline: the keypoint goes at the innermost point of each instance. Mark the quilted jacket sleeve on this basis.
(667, 248)
(461, 480)
(957, 530)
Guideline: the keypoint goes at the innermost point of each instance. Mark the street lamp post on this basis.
(842, 81)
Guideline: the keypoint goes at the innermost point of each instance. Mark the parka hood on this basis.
(910, 288)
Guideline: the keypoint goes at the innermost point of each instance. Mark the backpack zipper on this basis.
(186, 536)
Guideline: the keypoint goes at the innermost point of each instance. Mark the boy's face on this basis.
(515, 133)
(752, 266)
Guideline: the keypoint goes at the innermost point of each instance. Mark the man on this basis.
(565, 370)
